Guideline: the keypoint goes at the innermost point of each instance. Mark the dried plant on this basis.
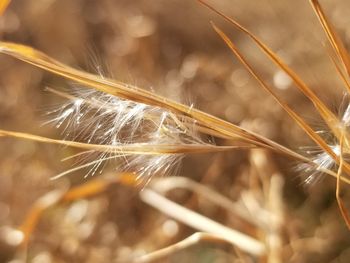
(147, 134)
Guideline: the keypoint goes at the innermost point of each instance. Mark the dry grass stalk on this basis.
(207, 124)
(183, 118)
(194, 239)
(338, 127)
(211, 124)
(213, 231)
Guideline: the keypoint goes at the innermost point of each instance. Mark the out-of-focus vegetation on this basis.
(170, 47)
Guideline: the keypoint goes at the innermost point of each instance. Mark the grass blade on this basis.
(333, 37)
(128, 149)
(330, 119)
(302, 124)
(220, 127)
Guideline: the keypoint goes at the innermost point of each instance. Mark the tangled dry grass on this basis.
(240, 199)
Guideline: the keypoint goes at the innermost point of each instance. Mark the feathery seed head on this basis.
(98, 118)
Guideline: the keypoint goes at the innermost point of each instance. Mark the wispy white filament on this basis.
(322, 159)
(94, 117)
(323, 162)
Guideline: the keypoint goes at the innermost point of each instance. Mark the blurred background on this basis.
(171, 48)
